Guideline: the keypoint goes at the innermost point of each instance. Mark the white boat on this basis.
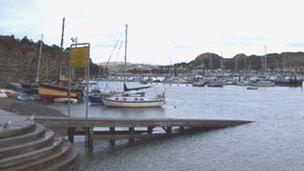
(65, 100)
(133, 102)
(3, 94)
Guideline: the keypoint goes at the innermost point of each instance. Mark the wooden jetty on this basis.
(85, 126)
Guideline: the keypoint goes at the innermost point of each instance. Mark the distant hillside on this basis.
(19, 60)
(239, 62)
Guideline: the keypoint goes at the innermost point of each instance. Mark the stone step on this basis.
(47, 161)
(22, 139)
(27, 147)
(22, 159)
(17, 131)
(70, 162)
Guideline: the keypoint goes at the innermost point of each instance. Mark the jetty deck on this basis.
(125, 122)
(85, 126)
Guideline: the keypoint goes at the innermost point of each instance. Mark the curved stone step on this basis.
(28, 147)
(70, 162)
(17, 131)
(47, 161)
(22, 159)
(22, 139)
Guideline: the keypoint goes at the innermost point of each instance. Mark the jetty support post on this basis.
(89, 137)
(169, 130)
(150, 130)
(131, 131)
(112, 132)
(181, 129)
(71, 133)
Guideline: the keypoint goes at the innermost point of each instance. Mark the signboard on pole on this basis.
(79, 56)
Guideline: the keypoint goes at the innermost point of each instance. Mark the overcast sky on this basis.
(160, 29)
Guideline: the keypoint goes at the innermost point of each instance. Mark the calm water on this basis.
(275, 141)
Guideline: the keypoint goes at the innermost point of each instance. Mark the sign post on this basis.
(79, 57)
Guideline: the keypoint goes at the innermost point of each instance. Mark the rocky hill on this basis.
(275, 61)
(19, 60)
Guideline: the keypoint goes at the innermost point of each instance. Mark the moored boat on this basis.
(133, 102)
(252, 88)
(263, 84)
(199, 84)
(289, 82)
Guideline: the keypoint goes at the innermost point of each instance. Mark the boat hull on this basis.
(50, 93)
(95, 99)
(132, 104)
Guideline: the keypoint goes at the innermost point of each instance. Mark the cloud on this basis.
(161, 29)
(296, 44)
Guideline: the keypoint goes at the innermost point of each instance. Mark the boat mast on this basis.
(39, 60)
(265, 60)
(126, 43)
(61, 46)
(62, 33)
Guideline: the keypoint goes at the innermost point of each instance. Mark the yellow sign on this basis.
(79, 57)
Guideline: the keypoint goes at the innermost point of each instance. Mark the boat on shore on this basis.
(50, 92)
(65, 100)
(3, 94)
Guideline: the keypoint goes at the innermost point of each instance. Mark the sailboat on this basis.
(133, 100)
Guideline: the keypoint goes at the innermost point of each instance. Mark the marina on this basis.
(153, 85)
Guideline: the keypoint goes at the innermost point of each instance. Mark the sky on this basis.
(160, 31)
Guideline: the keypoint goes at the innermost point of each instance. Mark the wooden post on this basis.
(169, 130)
(89, 137)
(71, 132)
(182, 129)
(131, 131)
(112, 131)
(150, 130)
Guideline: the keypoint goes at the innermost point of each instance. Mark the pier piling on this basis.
(169, 130)
(112, 131)
(131, 131)
(71, 133)
(89, 137)
(150, 130)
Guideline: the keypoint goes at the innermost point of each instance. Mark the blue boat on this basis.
(95, 100)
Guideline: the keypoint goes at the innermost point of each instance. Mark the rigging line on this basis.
(117, 54)
(116, 43)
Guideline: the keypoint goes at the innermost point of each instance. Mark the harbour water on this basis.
(274, 141)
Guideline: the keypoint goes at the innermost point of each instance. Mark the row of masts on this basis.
(263, 61)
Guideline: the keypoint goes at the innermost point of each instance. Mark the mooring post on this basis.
(169, 130)
(71, 133)
(89, 137)
(112, 132)
(150, 130)
(131, 131)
